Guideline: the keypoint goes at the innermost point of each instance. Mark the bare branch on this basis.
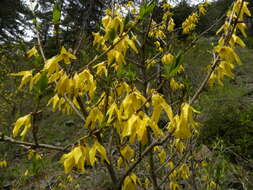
(73, 107)
(4, 138)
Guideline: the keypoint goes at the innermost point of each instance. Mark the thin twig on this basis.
(204, 82)
(7, 139)
(73, 107)
(173, 169)
(40, 46)
(110, 48)
(144, 153)
(202, 34)
(216, 59)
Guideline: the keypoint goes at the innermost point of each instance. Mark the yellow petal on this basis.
(102, 151)
(26, 121)
(69, 163)
(77, 154)
(92, 154)
(32, 52)
(132, 45)
(127, 152)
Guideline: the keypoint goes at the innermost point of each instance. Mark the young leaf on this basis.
(171, 69)
(146, 9)
(56, 14)
(42, 83)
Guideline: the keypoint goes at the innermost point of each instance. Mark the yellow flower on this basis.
(174, 85)
(174, 186)
(167, 59)
(94, 116)
(66, 56)
(183, 124)
(3, 164)
(171, 164)
(105, 21)
(32, 52)
(157, 44)
(166, 6)
(127, 152)
(236, 40)
(150, 63)
(27, 76)
(130, 182)
(99, 40)
(204, 163)
(190, 23)
(179, 145)
(75, 158)
(97, 147)
(26, 172)
(201, 9)
(117, 56)
(130, 4)
(184, 171)
(22, 121)
(212, 185)
(51, 65)
(171, 25)
(227, 54)
(101, 69)
(244, 10)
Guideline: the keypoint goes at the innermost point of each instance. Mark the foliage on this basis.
(234, 128)
(135, 102)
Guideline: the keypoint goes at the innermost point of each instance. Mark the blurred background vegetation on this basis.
(227, 112)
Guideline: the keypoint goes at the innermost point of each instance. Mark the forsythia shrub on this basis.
(130, 109)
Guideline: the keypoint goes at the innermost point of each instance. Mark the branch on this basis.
(4, 138)
(205, 81)
(178, 164)
(202, 34)
(110, 48)
(216, 57)
(148, 149)
(152, 166)
(39, 42)
(73, 107)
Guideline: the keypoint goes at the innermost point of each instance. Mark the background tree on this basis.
(13, 20)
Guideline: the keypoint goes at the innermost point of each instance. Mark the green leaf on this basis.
(112, 35)
(42, 83)
(127, 72)
(56, 13)
(126, 21)
(146, 9)
(171, 69)
(38, 61)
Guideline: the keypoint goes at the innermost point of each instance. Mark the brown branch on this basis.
(173, 169)
(205, 81)
(145, 153)
(216, 58)
(152, 165)
(80, 103)
(202, 34)
(4, 138)
(73, 107)
(79, 44)
(40, 46)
